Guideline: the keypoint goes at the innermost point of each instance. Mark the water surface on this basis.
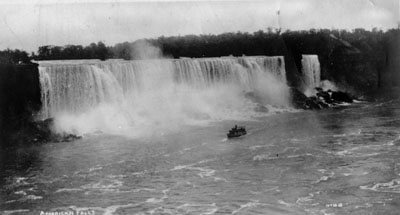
(337, 161)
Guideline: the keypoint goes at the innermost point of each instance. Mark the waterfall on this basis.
(311, 73)
(75, 88)
(91, 95)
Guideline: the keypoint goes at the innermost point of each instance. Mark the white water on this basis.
(336, 161)
(328, 85)
(156, 96)
(311, 73)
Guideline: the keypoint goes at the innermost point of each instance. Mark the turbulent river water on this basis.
(337, 161)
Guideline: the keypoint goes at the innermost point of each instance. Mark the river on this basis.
(337, 161)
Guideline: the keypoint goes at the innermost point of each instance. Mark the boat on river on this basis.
(236, 132)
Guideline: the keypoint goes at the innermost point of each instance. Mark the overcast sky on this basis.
(28, 24)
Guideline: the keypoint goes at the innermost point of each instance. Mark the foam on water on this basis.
(21, 192)
(159, 200)
(203, 209)
(308, 200)
(392, 186)
(327, 175)
(33, 197)
(68, 190)
(8, 212)
(103, 185)
(247, 205)
(263, 157)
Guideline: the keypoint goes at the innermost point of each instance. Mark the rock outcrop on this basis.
(19, 98)
(42, 131)
(19, 101)
(322, 99)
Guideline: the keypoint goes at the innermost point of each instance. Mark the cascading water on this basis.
(136, 97)
(311, 73)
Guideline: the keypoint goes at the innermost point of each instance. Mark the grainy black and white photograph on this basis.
(203, 107)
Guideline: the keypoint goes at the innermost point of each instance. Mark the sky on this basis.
(28, 24)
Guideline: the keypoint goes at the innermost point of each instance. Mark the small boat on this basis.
(236, 132)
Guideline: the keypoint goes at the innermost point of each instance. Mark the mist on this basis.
(156, 96)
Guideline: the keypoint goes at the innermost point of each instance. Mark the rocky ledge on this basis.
(322, 99)
(42, 131)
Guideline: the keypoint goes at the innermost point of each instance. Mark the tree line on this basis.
(268, 42)
(340, 52)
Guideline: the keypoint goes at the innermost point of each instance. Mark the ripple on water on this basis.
(392, 186)
(33, 197)
(110, 210)
(270, 156)
(394, 141)
(9, 212)
(203, 172)
(353, 171)
(25, 193)
(68, 190)
(25, 198)
(250, 204)
(263, 157)
(362, 151)
(187, 208)
(192, 208)
(21, 180)
(308, 200)
(104, 184)
(327, 175)
(155, 200)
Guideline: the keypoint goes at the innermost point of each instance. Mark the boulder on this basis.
(299, 100)
(42, 131)
(325, 96)
(322, 99)
(314, 103)
(341, 97)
